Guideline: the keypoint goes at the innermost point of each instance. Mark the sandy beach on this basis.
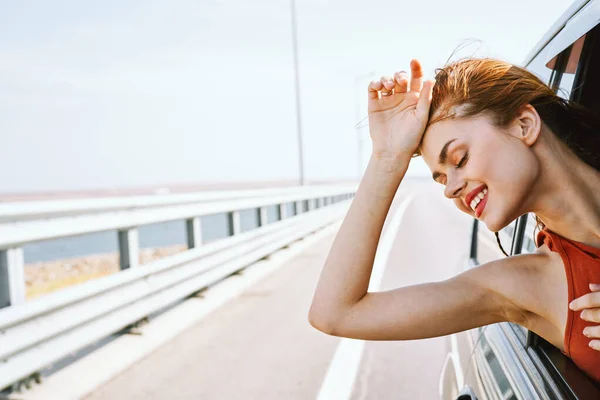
(47, 277)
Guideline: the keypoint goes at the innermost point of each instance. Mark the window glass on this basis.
(569, 65)
(586, 88)
(503, 385)
(539, 67)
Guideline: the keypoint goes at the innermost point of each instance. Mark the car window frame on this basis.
(573, 382)
(547, 369)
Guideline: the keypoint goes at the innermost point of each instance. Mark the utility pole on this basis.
(297, 78)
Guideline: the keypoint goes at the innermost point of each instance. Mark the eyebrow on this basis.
(443, 157)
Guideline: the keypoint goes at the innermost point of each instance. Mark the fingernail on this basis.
(594, 286)
(594, 344)
(586, 332)
(583, 314)
(572, 305)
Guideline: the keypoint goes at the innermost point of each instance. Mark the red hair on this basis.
(471, 86)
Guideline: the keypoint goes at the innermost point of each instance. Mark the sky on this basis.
(121, 94)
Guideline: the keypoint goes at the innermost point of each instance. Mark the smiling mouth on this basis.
(477, 199)
(478, 203)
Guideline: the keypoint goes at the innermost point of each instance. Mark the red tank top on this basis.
(582, 267)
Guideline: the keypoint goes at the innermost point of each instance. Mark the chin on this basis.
(495, 223)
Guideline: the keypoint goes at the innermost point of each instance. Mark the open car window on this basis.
(574, 74)
(570, 64)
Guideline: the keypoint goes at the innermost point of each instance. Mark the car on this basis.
(505, 360)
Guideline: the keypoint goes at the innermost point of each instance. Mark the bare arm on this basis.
(429, 310)
(345, 277)
(341, 305)
(397, 120)
(493, 292)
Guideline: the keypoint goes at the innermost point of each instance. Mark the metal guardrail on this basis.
(36, 333)
(44, 209)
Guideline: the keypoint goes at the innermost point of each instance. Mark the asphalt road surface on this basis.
(261, 346)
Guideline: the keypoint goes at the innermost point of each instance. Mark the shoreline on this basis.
(45, 277)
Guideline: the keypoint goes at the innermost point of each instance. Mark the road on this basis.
(260, 345)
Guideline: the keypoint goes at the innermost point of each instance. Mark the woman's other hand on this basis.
(398, 113)
(590, 304)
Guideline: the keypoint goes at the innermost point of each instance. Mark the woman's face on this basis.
(473, 158)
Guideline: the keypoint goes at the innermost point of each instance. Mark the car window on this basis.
(540, 67)
(502, 388)
(587, 78)
(566, 66)
(573, 74)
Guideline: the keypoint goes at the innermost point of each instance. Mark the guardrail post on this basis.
(234, 223)
(263, 216)
(194, 232)
(12, 277)
(283, 211)
(298, 206)
(129, 248)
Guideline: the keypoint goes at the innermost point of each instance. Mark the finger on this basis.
(388, 83)
(424, 102)
(592, 331)
(594, 287)
(589, 300)
(374, 88)
(595, 344)
(591, 315)
(416, 74)
(400, 82)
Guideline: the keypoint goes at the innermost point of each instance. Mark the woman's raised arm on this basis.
(345, 276)
(341, 305)
(397, 119)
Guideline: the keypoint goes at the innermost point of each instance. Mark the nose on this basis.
(454, 188)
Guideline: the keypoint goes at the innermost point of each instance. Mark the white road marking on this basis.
(343, 369)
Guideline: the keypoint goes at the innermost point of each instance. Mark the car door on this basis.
(573, 57)
(505, 360)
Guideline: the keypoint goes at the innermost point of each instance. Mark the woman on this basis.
(503, 144)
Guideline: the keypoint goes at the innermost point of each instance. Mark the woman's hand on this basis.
(398, 113)
(590, 304)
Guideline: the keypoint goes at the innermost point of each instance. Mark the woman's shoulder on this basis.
(522, 279)
(535, 290)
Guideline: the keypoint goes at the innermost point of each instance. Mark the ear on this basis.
(527, 126)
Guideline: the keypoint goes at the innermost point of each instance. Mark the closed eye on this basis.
(462, 161)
